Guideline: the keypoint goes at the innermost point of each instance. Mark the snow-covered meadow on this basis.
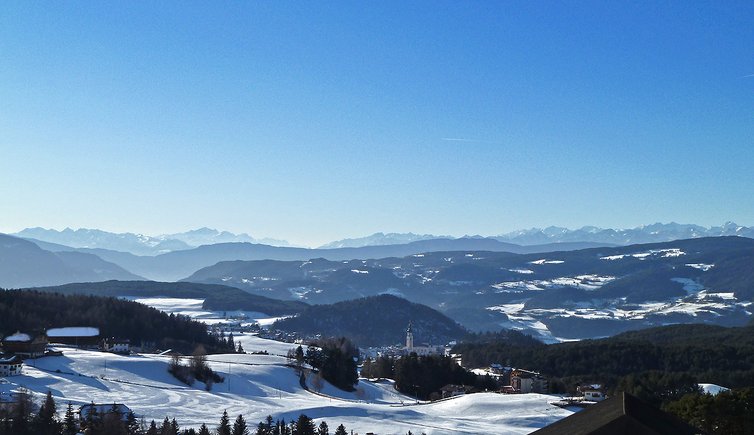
(261, 385)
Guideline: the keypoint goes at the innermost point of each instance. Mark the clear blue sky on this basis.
(314, 121)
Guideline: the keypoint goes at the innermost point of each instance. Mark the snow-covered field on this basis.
(261, 385)
(193, 308)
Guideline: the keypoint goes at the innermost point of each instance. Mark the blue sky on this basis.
(322, 120)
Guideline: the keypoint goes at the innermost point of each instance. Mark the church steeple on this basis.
(409, 337)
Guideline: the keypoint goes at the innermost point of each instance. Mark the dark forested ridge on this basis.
(650, 360)
(376, 320)
(30, 310)
(216, 297)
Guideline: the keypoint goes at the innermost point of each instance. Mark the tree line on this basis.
(31, 310)
(424, 376)
(22, 419)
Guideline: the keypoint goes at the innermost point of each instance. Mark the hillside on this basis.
(27, 311)
(24, 264)
(374, 321)
(216, 297)
(261, 385)
(556, 295)
(686, 354)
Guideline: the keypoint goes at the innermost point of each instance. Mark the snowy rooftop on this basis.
(73, 331)
(18, 336)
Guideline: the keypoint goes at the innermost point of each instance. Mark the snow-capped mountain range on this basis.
(139, 244)
(654, 233)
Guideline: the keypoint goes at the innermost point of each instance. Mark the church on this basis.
(420, 350)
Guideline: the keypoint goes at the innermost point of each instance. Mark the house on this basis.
(591, 392)
(25, 345)
(452, 390)
(525, 381)
(10, 365)
(622, 414)
(117, 345)
(95, 411)
(80, 336)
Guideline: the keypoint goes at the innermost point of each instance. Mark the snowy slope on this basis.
(258, 385)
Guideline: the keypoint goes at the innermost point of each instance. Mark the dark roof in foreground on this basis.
(623, 414)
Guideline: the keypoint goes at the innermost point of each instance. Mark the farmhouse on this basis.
(525, 381)
(116, 345)
(10, 365)
(25, 345)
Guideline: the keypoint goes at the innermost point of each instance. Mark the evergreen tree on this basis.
(323, 429)
(21, 413)
(239, 349)
(239, 426)
(45, 423)
(341, 430)
(224, 427)
(69, 421)
(304, 426)
(132, 425)
(166, 429)
(231, 343)
(174, 429)
(204, 430)
(152, 429)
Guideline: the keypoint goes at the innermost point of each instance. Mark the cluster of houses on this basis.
(20, 346)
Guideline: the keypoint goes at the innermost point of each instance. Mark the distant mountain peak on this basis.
(139, 244)
(380, 239)
(651, 233)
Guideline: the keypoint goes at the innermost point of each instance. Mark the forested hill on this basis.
(30, 310)
(216, 297)
(653, 362)
(374, 321)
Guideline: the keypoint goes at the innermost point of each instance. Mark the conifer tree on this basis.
(69, 421)
(341, 430)
(224, 427)
(204, 430)
(152, 429)
(45, 423)
(304, 426)
(21, 413)
(166, 429)
(239, 426)
(323, 429)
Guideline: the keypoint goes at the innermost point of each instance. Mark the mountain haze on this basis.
(24, 264)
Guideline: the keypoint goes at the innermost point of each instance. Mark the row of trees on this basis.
(335, 359)
(196, 370)
(424, 376)
(30, 310)
(22, 420)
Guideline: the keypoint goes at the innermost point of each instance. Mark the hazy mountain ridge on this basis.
(654, 233)
(138, 244)
(24, 264)
(567, 294)
(378, 239)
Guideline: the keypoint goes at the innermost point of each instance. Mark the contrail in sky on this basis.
(460, 139)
